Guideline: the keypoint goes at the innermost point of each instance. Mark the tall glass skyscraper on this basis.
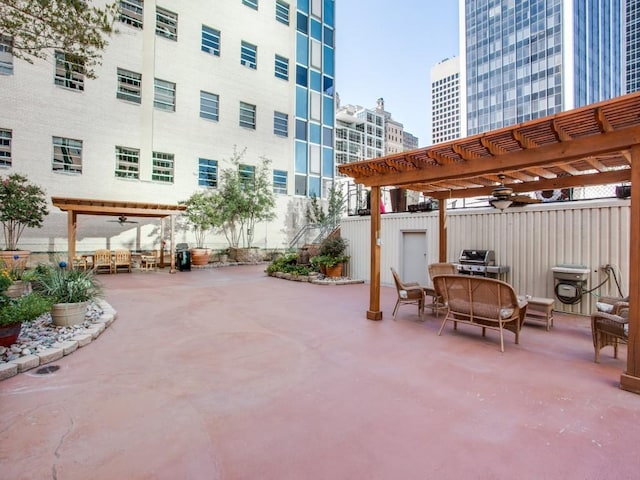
(633, 45)
(525, 59)
(315, 104)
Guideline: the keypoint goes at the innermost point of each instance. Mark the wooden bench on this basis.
(539, 307)
(481, 301)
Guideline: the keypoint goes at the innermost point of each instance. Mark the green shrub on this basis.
(22, 309)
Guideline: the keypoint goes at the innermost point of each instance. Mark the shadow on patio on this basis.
(228, 373)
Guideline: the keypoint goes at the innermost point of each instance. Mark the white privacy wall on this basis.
(530, 240)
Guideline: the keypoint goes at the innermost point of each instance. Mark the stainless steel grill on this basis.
(481, 263)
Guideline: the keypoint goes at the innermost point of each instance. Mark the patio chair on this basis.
(102, 261)
(122, 259)
(408, 294)
(437, 300)
(610, 328)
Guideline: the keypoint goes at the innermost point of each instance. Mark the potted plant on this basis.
(14, 311)
(19, 278)
(201, 214)
(70, 291)
(332, 256)
(22, 204)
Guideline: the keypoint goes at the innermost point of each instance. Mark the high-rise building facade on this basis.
(181, 85)
(632, 16)
(528, 59)
(445, 100)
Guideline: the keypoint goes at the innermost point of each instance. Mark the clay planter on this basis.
(9, 334)
(18, 289)
(200, 256)
(335, 271)
(13, 258)
(65, 314)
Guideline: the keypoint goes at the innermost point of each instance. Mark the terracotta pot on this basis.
(200, 256)
(335, 271)
(65, 314)
(18, 288)
(15, 257)
(9, 334)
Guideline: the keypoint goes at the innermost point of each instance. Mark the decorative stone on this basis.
(26, 363)
(50, 355)
(8, 370)
(83, 339)
(69, 346)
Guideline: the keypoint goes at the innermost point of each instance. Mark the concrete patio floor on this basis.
(230, 374)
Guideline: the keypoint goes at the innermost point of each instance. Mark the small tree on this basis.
(201, 213)
(314, 213)
(22, 204)
(72, 26)
(244, 201)
(336, 204)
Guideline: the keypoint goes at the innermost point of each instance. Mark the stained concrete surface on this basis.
(230, 374)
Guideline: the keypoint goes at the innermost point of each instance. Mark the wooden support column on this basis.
(630, 380)
(442, 233)
(374, 312)
(72, 228)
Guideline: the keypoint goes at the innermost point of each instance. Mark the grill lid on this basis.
(477, 257)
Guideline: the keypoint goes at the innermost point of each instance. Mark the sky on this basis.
(387, 49)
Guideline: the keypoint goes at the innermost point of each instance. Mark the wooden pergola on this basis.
(594, 145)
(82, 206)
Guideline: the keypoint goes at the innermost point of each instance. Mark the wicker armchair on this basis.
(408, 294)
(610, 328)
(437, 300)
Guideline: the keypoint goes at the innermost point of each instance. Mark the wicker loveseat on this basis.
(481, 301)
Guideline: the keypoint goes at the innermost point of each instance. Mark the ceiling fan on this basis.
(122, 219)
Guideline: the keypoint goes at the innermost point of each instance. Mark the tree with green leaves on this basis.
(36, 27)
(315, 213)
(202, 214)
(244, 200)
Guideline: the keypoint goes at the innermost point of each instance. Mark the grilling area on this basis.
(594, 145)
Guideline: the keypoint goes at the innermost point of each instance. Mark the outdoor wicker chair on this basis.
(408, 294)
(437, 300)
(610, 328)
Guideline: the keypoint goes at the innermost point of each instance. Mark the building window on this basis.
(131, 12)
(129, 86)
(281, 124)
(247, 115)
(166, 24)
(282, 67)
(209, 105)
(207, 173)
(210, 41)
(127, 162)
(69, 71)
(6, 55)
(162, 167)
(164, 95)
(251, 3)
(247, 174)
(67, 155)
(282, 12)
(249, 55)
(280, 181)
(5, 148)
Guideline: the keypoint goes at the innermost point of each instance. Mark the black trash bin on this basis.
(183, 257)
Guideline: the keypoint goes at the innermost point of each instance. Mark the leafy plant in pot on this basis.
(332, 256)
(70, 291)
(201, 213)
(22, 204)
(14, 311)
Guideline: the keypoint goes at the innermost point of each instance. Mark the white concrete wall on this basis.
(35, 110)
(530, 240)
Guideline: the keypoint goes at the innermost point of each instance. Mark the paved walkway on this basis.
(229, 374)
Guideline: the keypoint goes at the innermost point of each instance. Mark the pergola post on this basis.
(374, 312)
(173, 246)
(72, 229)
(630, 380)
(442, 233)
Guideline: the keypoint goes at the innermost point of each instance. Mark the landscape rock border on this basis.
(82, 338)
(316, 279)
